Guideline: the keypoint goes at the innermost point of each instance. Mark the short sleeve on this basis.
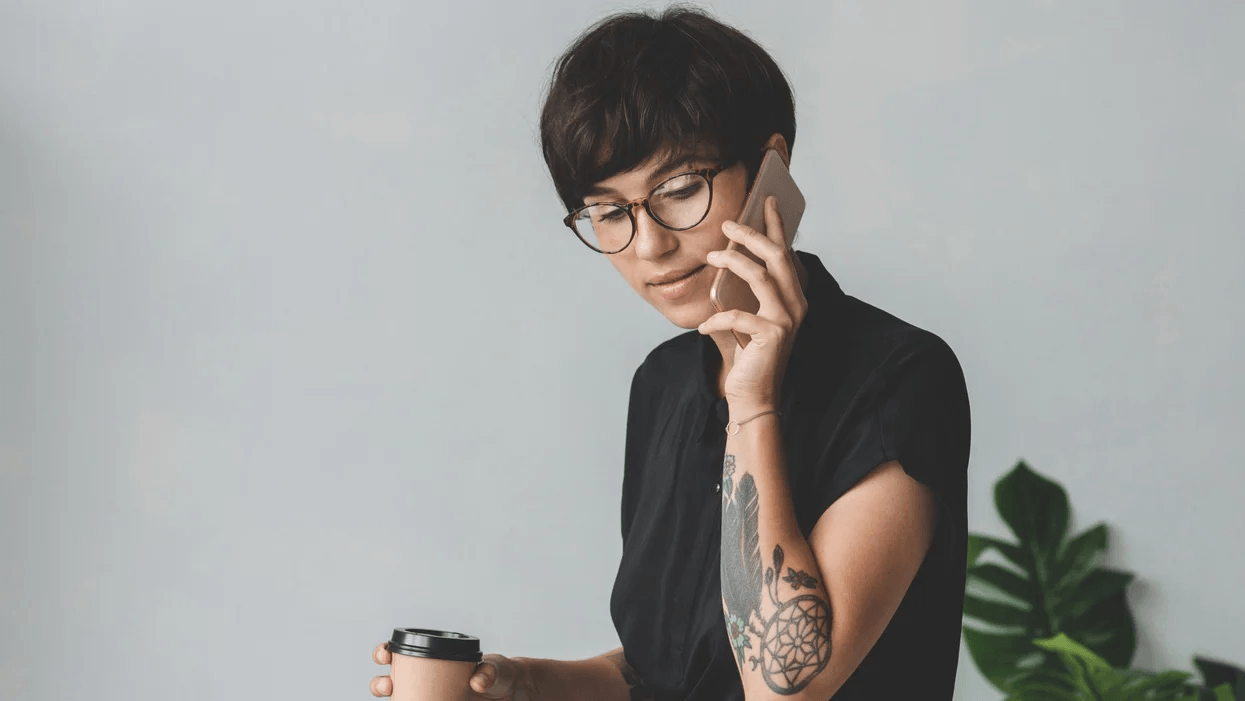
(915, 412)
(633, 447)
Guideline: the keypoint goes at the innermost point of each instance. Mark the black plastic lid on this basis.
(437, 644)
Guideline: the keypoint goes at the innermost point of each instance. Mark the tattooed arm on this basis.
(605, 677)
(778, 587)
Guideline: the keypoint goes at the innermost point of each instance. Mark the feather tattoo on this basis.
(793, 643)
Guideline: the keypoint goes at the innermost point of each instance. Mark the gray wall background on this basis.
(295, 350)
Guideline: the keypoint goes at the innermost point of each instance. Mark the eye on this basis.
(681, 187)
(686, 192)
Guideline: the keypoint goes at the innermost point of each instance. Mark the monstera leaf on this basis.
(1217, 674)
(1047, 586)
(1088, 677)
(1060, 628)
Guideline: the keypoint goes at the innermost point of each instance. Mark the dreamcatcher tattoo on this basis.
(793, 643)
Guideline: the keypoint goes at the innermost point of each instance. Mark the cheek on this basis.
(629, 273)
(712, 226)
(712, 238)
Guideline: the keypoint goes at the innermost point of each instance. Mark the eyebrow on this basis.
(669, 165)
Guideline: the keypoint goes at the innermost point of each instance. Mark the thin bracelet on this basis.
(729, 432)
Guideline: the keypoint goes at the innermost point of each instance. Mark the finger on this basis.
(381, 654)
(483, 676)
(492, 681)
(761, 245)
(743, 322)
(777, 232)
(771, 247)
(381, 686)
(776, 256)
(758, 278)
(774, 229)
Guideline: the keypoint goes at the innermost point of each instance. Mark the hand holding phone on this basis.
(729, 291)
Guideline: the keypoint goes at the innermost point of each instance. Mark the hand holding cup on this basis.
(425, 677)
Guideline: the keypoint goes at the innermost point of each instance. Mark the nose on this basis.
(652, 240)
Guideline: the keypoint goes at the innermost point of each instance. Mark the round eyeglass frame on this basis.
(707, 173)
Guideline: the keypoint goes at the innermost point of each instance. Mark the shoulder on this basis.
(915, 393)
(879, 348)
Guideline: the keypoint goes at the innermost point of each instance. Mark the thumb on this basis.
(492, 680)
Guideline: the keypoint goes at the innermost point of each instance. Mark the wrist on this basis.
(743, 407)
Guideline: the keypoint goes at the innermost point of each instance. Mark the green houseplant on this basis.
(1057, 627)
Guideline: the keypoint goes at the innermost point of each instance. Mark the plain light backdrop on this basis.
(294, 348)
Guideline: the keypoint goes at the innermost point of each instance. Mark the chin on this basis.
(690, 314)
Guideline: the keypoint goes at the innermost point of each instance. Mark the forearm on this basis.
(775, 602)
(606, 677)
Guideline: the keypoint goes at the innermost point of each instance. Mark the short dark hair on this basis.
(634, 84)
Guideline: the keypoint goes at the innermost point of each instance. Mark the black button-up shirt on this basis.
(862, 388)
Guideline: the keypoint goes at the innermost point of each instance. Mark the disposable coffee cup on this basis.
(432, 665)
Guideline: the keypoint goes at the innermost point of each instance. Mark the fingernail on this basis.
(728, 224)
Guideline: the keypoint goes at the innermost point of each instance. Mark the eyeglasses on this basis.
(679, 203)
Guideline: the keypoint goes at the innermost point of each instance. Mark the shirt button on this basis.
(717, 488)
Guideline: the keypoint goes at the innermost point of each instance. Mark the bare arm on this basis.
(606, 677)
(803, 613)
(774, 597)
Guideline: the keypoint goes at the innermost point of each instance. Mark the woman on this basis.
(815, 548)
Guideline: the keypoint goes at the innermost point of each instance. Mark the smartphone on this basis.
(729, 291)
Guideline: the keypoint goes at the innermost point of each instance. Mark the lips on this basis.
(689, 273)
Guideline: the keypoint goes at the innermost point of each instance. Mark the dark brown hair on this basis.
(636, 84)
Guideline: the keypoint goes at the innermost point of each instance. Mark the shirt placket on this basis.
(706, 500)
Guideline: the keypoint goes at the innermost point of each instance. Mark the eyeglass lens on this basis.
(678, 203)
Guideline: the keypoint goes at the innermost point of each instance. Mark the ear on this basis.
(778, 142)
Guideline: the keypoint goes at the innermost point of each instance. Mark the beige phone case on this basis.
(729, 291)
